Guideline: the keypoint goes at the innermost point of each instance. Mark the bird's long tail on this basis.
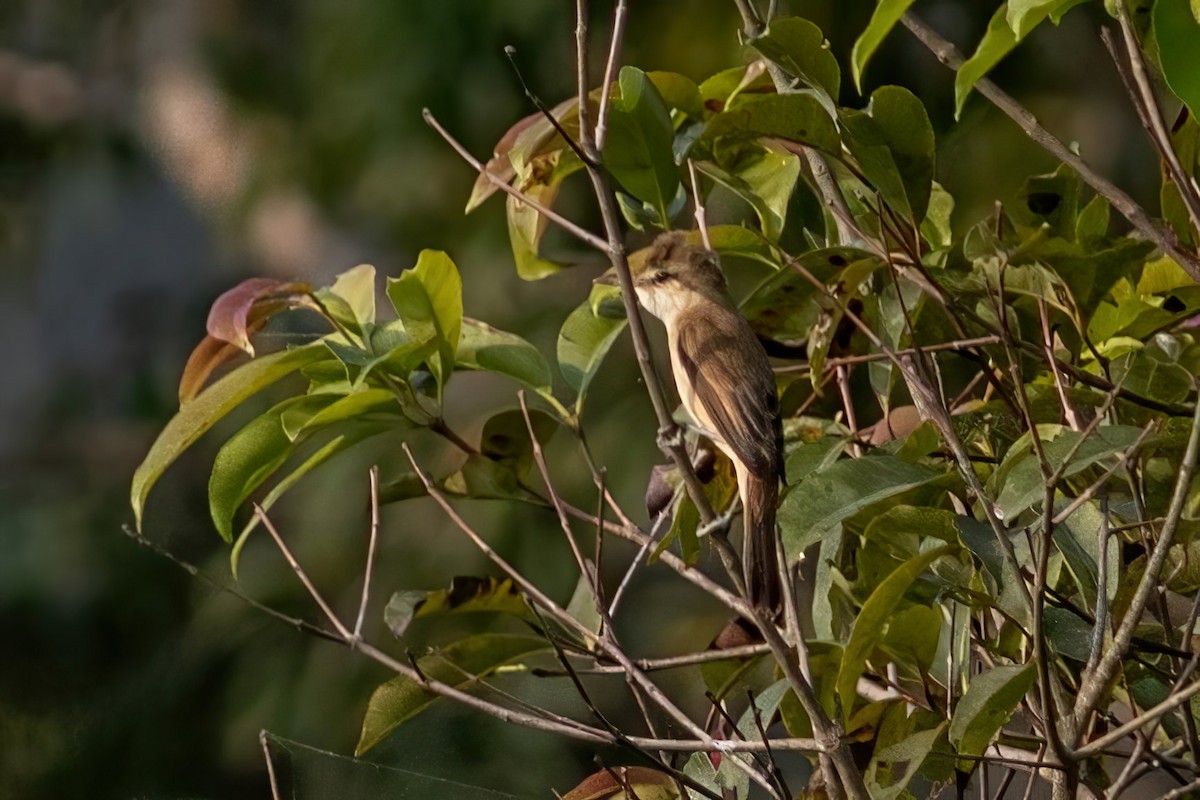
(760, 561)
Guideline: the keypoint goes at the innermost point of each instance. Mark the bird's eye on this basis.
(661, 276)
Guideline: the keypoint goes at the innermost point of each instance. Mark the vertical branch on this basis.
(610, 69)
(371, 546)
(266, 748)
(1096, 682)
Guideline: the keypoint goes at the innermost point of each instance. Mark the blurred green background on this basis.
(154, 153)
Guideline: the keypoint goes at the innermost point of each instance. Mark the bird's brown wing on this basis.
(734, 383)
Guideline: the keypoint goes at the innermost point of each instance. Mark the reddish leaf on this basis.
(207, 356)
(500, 164)
(648, 784)
(245, 307)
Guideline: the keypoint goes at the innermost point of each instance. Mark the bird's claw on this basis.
(670, 438)
(717, 526)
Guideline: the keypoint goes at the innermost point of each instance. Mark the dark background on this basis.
(154, 153)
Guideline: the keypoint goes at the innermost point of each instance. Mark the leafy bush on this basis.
(990, 439)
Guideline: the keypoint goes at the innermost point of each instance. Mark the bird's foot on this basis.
(718, 526)
(670, 437)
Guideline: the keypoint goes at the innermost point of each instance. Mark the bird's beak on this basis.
(607, 279)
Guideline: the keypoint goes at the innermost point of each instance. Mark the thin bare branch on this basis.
(610, 71)
(701, 220)
(1097, 681)
(371, 547)
(301, 574)
(266, 748)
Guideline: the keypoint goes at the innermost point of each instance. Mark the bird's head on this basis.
(672, 275)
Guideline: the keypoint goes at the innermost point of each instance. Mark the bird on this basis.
(726, 385)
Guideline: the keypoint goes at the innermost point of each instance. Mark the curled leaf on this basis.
(247, 306)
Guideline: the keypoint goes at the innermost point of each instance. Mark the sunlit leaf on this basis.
(204, 360)
(458, 664)
(870, 625)
(887, 13)
(351, 298)
(1000, 38)
(678, 91)
(198, 415)
(428, 300)
(539, 181)
(992, 697)
(766, 183)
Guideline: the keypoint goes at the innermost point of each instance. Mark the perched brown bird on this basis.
(726, 385)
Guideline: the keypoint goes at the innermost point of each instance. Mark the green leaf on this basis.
(428, 300)
(936, 227)
(539, 180)
(678, 91)
(795, 117)
(1001, 37)
(824, 499)
(198, 415)
(1019, 479)
(251, 456)
(344, 441)
(1177, 31)
(466, 595)
(458, 664)
(486, 348)
(638, 149)
(887, 13)
(582, 344)
(798, 46)
(991, 698)
(766, 183)
(357, 404)
(626, 783)
(351, 299)
(911, 751)
(909, 136)
(870, 626)
(483, 478)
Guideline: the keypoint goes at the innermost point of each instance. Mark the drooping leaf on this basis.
(766, 183)
(821, 501)
(912, 751)
(245, 307)
(198, 415)
(1177, 31)
(343, 441)
(797, 45)
(204, 360)
(505, 437)
(678, 91)
(887, 13)
(1000, 39)
(638, 149)
(612, 784)
(251, 456)
(539, 181)
(428, 300)
(992, 697)
(486, 348)
(794, 117)
(582, 344)
(516, 147)
(870, 626)
(466, 594)
(483, 478)
(458, 664)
